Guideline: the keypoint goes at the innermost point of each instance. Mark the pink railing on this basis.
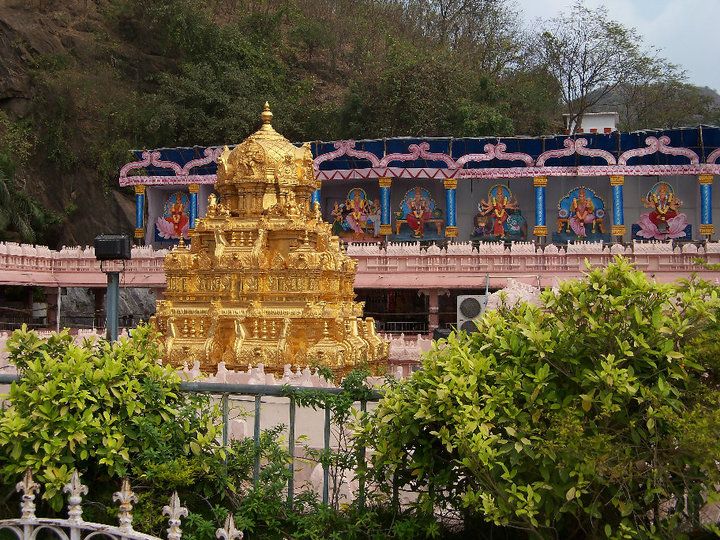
(397, 265)
(464, 265)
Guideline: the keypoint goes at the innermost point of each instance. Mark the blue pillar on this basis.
(139, 213)
(540, 229)
(618, 226)
(315, 198)
(193, 189)
(706, 222)
(385, 212)
(451, 230)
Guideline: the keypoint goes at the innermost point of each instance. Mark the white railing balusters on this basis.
(28, 487)
(229, 532)
(125, 497)
(75, 490)
(174, 511)
(75, 528)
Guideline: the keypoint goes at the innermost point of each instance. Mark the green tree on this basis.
(592, 415)
(22, 218)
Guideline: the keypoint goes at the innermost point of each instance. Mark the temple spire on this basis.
(266, 115)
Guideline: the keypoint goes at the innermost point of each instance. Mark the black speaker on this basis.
(109, 247)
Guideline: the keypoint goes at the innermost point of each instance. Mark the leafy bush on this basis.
(111, 410)
(592, 415)
(98, 408)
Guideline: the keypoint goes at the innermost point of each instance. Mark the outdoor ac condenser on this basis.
(469, 308)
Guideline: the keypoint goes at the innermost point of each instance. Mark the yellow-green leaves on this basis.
(95, 404)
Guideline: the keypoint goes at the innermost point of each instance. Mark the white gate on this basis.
(29, 526)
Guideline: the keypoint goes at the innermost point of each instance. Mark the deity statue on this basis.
(374, 213)
(338, 215)
(419, 213)
(174, 222)
(357, 216)
(664, 205)
(582, 212)
(496, 207)
(664, 221)
(177, 216)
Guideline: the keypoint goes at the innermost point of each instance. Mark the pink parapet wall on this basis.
(399, 266)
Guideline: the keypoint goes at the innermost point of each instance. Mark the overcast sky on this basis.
(687, 31)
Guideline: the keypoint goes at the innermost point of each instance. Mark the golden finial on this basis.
(267, 114)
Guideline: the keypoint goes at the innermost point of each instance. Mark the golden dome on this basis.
(267, 164)
(264, 280)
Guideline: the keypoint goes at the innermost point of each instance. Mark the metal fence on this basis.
(224, 391)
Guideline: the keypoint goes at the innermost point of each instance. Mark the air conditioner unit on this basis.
(469, 308)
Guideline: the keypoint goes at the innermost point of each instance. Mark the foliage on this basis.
(96, 406)
(670, 103)
(111, 410)
(21, 218)
(592, 415)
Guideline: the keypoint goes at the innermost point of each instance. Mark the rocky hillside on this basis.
(53, 81)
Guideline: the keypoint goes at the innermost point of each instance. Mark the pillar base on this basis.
(618, 230)
(540, 230)
(707, 229)
(451, 232)
(385, 229)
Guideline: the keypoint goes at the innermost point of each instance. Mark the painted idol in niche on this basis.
(419, 213)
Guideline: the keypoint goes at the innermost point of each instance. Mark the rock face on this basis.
(264, 281)
(42, 41)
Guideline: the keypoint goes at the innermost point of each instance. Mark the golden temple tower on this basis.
(264, 282)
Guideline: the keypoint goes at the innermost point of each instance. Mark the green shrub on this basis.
(111, 410)
(97, 407)
(592, 415)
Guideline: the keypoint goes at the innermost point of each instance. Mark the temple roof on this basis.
(670, 151)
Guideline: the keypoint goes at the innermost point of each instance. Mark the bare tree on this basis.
(592, 55)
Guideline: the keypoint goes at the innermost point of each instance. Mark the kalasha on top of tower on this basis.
(264, 280)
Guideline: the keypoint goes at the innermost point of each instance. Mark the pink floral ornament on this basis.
(167, 231)
(676, 228)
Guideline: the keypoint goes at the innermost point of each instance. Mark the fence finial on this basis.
(174, 511)
(75, 491)
(125, 497)
(29, 488)
(229, 532)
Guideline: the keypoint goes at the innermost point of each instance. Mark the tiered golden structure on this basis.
(264, 281)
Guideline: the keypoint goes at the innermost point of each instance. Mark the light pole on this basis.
(112, 247)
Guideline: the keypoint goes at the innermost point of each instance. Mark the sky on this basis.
(686, 31)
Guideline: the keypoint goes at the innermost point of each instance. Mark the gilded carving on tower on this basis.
(264, 281)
